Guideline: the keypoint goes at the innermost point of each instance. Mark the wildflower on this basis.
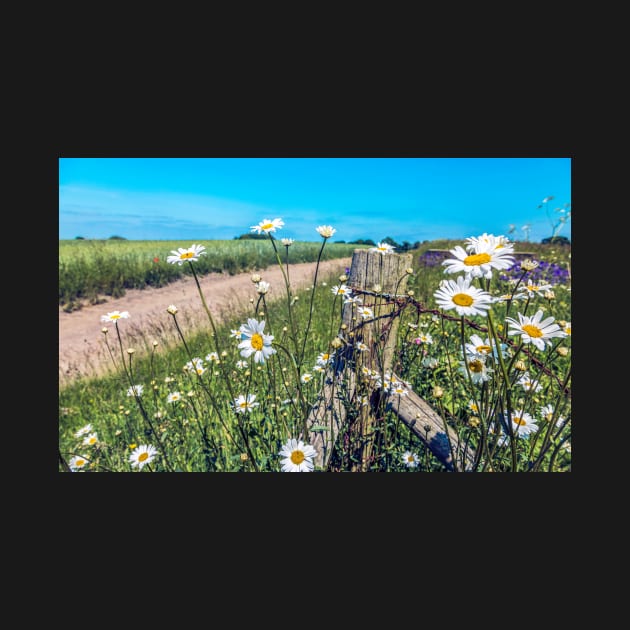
(547, 413)
(114, 316)
(305, 378)
(267, 226)
(532, 289)
(180, 255)
(361, 347)
(297, 456)
(482, 258)
(423, 338)
(438, 392)
(429, 362)
(241, 365)
(410, 459)
(529, 264)
(255, 341)
(325, 357)
(477, 243)
(383, 248)
(173, 397)
(318, 368)
(341, 289)
(172, 309)
(143, 454)
(562, 351)
(325, 231)
(78, 462)
(244, 404)
(398, 388)
(90, 440)
(262, 287)
(566, 327)
(535, 329)
(473, 407)
(83, 431)
(130, 350)
(529, 384)
(466, 300)
(365, 312)
(287, 242)
(479, 372)
(523, 424)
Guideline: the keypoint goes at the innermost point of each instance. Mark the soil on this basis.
(82, 347)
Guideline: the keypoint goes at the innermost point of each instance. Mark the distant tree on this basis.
(117, 238)
(339, 241)
(390, 241)
(362, 241)
(253, 237)
(556, 240)
(79, 238)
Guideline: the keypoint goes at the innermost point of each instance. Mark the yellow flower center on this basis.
(484, 349)
(475, 260)
(532, 331)
(80, 462)
(325, 356)
(143, 456)
(520, 421)
(187, 255)
(567, 330)
(266, 226)
(92, 440)
(297, 457)
(242, 404)
(476, 366)
(257, 341)
(114, 316)
(462, 299)
(410, 458)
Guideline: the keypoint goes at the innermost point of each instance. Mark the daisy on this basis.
(267, 226)
(361, 347)
(479, 372)
(547, 413)
(287, 242)
(297, 456)
(466, 300)
(324, 357)
(528, 384)
(83, 431)
(383, 248)
(173, 397)
(244, 404)
(326, 231)
(114, 316)
(341, 289)
(262, 287)
(305, 378)
(398, 388)
(523, 424)
(90, 440)
(143, 454)
(135, 390)
(255, 341)
(180, 255)
(531, 288)
(423, 338)
(78, 462)
(477, 243)
(479, 263)
(318, 368)
(212, 356)
(410, 459)
(365, 312)
(241, 365)
(429, 362)
(535, 329)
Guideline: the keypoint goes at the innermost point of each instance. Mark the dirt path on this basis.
(82, 349)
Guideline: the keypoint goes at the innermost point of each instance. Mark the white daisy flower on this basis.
(287, 242)
(114, 316)
(78, 462)
(410, 459)
(173, 397)
(529, 384)
(547, 414)
(523, 424)
(423, 338)
(341, 289)
(90, 440)
(485, 257)
(235, 334)
(481, 243)
(135, 390)
(83, 431)
(567, 328)
(305, 378)
(212, 356)
(241, 365)
(325, 357)
(479, 371)
(172, 309)
(383, 248)
(353, 299)
(465, 299)
(255, 341)
(318, 368)
(365, 312)
(180, 255)
(535, 329)
(267, 226)
(142, 455)
(297, 456)
(326, 231)
(531, 288)
(361, 347)
(262, 287)
(245, 404)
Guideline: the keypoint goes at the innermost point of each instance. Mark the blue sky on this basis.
(408, 199)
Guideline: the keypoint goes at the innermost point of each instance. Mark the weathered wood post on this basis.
(367, 342)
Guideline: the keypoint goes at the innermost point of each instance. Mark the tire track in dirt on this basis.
(82, 348)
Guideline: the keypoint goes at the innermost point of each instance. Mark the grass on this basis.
(203, 407)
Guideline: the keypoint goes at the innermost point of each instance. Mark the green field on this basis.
(190, 409)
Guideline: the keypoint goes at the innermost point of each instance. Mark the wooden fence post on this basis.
(352, 386)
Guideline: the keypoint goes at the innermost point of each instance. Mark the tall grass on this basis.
(91, 269)
(205, 407)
